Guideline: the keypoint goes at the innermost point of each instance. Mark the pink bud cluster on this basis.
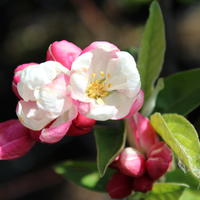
(138, 168)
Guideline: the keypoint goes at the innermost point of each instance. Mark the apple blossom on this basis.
(105, 81)
(15, 140)
(46, 104)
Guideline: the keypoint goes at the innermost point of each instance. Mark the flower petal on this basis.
(31, 116)
(124, 75)
(53, 96)
(121, 103)
(58, 129)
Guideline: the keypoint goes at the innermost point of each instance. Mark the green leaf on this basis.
(166, 191)
(110, 140)
(151, 102)
(152, 49)
(179, 176)
(190, 194)
(182, 137)
(181, 93)
(84, 174)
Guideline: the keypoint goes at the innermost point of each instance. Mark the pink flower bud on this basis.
(63, 52)
(159, 159)
(156, 167)
(119, 186)
(101, 44)
(81, 125)
(131, 162)
(142, 184)
(160, 149)
(144, 135)
(15, 140)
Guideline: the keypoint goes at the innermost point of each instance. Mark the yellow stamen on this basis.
(102, 74)
(97, 89)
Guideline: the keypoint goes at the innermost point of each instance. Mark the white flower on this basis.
(45, 96)
(105, 82)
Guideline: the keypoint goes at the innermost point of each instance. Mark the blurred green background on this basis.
(29, 27)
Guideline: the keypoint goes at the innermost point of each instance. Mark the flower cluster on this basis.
(67, 93)
(140, 166)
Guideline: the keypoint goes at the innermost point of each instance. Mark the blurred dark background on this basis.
(29, 27)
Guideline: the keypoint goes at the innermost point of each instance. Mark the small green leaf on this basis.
(151, 102)
(109, 141)
(166, 191)
(182, 137)
(179, 176)
(190, 194)
(84, 174)
(181, 93)
(152, 49)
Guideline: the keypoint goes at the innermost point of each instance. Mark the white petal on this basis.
(53, 97)
(121, 102)
(100, 60)
(101, 112)
(38, 75)
(26, 93)
(124, 75)
(31, 116)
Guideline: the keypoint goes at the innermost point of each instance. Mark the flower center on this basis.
(98, 88)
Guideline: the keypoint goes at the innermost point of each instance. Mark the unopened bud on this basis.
(161, 150)
(81, 125)
(119, 186)
(142, 184)
(131, 162)
(156, 167)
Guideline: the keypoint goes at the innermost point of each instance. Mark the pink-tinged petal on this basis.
(58, 129)
(101, 44)
(119, 186)
(156, 167)
(142, 184)
(143, 133)
(137, 104)
(15, 140)
(63, 52)
(81, 125)
(23, 66)
(54, 134)
(131, 162)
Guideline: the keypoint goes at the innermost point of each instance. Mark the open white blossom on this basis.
(44, 89)
(105, 82)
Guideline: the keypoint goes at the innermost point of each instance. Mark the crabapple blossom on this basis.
(45, 103)
(105, 81)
